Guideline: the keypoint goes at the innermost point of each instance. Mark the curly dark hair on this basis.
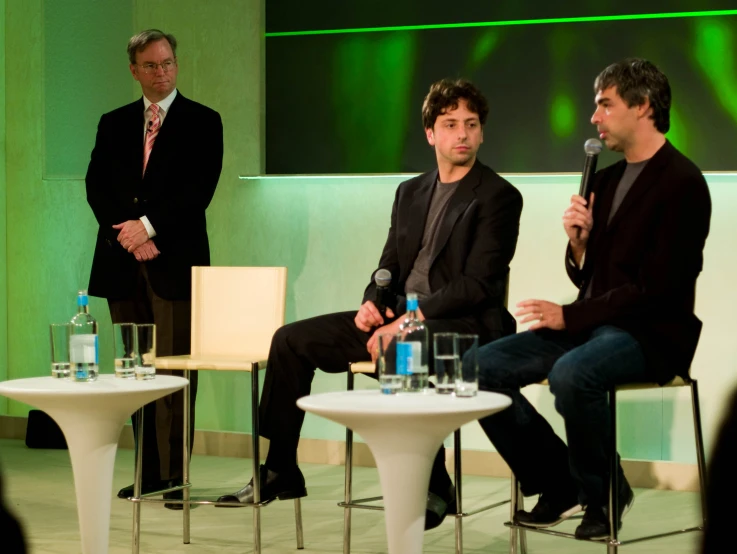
(637, 80)
(445, 94)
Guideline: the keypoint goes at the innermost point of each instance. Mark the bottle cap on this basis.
(82, 298)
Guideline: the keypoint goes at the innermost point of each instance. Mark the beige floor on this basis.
(40, 490)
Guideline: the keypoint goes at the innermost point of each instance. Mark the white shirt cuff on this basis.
(148, 226)
(573, 261)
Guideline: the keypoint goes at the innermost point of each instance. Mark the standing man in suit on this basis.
(635, 251)
(453, 233)
(152, 174)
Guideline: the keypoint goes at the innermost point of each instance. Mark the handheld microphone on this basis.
(592, 147)
(383, 279)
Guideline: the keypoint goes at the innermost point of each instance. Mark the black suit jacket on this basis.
(646, 261)
(182, 173)
(475, 244)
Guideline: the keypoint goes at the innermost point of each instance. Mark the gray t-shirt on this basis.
(418, 281)
(631, 173)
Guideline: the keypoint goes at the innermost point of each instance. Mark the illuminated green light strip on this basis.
(588, 19)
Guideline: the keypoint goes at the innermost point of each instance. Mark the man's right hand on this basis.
(368, 316)
(578, 220)
(147, 251)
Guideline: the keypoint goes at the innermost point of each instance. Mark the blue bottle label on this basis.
(404, 358)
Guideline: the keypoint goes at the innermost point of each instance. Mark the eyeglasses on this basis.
(148, 68)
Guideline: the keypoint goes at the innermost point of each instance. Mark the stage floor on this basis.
(39, 489)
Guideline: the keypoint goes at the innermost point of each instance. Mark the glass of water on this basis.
(445, 349)
(467, 378)
(389, 381)
(124, 341)
(60, 362)
(145, 351)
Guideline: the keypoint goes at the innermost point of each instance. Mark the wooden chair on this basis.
(235, 313)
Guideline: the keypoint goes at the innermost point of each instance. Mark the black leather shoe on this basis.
(438, 507)
(174, 495)
(551, 509)
(284, 485)
(147, 487)
(595, 524)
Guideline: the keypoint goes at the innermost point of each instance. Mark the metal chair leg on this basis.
(137, 478)
(513, 507)
(521, 532)
(613, 544)
(186, 462)
(700, 457)
(256, 461)
(298, 521)
(458, 478)
(348, 487)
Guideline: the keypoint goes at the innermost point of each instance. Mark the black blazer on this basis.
(645, 263)
(182, 173)
(475, 243)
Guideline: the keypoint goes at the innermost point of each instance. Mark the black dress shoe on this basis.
(284, 485)
(551, 509)
(438, 507)
(174, 495)
(147, 487)
(595, 524)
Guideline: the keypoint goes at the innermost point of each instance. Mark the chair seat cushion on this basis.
(363, 367)
(218, 363)
(676, 382)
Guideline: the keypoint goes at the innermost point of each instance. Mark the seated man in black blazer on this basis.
(635, 250)
(453, 233)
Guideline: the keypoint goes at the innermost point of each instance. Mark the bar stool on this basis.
(235, 313)
(517, 535)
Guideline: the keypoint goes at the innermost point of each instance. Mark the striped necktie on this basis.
(154, 124)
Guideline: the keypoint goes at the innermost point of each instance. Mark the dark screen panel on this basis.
(350, 103)
(298, 15)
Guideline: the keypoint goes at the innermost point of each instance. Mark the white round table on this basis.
(404, 432)
(91, 415)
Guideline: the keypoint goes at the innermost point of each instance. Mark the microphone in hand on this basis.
(384, 297)
(592, 147)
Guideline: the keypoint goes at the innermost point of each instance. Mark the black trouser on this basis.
(329, 342)
(163, 419)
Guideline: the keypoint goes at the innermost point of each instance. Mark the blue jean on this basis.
(580, 373)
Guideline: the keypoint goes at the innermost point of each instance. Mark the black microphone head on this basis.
(383, 278)
(592, 147)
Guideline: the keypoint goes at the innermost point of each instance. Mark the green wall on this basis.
(3, 226)
(327, 231)
(71, 62)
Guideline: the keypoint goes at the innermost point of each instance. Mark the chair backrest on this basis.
(236, 310)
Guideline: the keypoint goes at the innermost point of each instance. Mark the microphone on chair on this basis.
(383, 279)
(592, 147)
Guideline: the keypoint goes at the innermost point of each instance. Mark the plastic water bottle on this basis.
(84, 346)
(412, 355)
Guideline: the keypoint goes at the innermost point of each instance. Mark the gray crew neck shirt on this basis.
(418, 280)
(631, 173)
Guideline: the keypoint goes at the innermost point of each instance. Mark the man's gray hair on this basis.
(139, 42)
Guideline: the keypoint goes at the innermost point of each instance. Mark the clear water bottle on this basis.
(83, 345)
(412, 357)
